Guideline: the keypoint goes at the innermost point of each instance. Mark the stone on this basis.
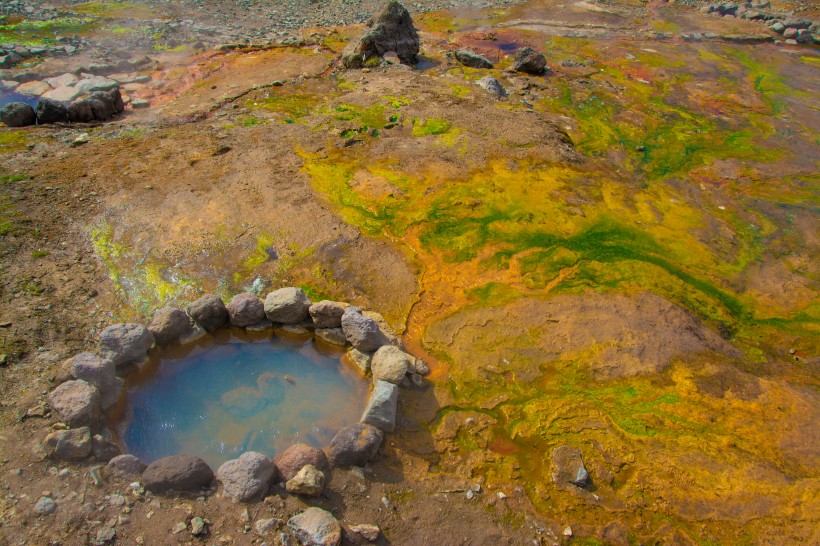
(387, 331)
(381, 408)
(102, 105)
(327, 314)
(198, 526)
(69, 445)
(169, 325)
(209, 311)
(116, 96)
(308, 481)
(125, 343)
(291, 461)
(492, 86)
(316, 527)
(355, 445)
(50, 111)
(105, 537)
(125, 467)
(45, 506)
(18, 114)
(262, 526)
(140, 103)
(390, 364)
(76, 403)
(420, 367)
(287, 305)
(778, 27)
(331, 336)
(245, 309)
(790, 33)
(359, 359)
(33, 88)
(472, 59)
(80, 112)
(369, 532)
(62, 94)
(530, 61)
(180, 473)
(362, 332)
(63, 80)
(568, 466)
(389, 30)
(95, 83)
(102, 374)
(103, 448)
(246, 478)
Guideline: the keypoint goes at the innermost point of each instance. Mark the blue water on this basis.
(7, 97)
(222, 400)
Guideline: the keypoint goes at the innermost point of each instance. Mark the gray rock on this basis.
(287, 305)
(778, 27)
(209, 311)
(472, 59)
(125, 343)
(198, 526)
(262, 526)
(169, 325)
(102, 105)
(291, 461)
(246, 478)
(308, 481)
(359, 359)
(381, 408)
(389, 30)
(369, 532)
(104, 449)
(62, 81)
(355, 445)
(80, 112)
(492, 86)
(182, 473)
(387, 331)
(69, 445)
(316, 527)
(18, 114)
(95, 83)
(76, 403)
(125, 467)
(45, 506)
(327, 314)
(331, 336)
(245, 309)
(105, 537)
(568, 466)
(390, 364)
(362, 332)
(530, 61)
(102, 374)
(50, 111)
(62, 94)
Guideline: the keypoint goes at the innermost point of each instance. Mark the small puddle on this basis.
(234, 394)
(7, 97)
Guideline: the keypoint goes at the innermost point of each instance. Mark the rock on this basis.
(33, 88)
(492, 85)
(198, 526)
(104, 449)
(245, 309)
(331, 336)
(246, 478)
(389, 30)
(182, 473)
(140, 103)
(102, 374)
(308, 481)
(105, 537)
(359, 359)
(530, 61)
(387, 331)
(116, 97)
(381, 408)
(262, 526)
(64, 80)
(287, 305)
(355, 445)
(45, 506)
(472, 59)
(76, 403)
(62, 94)
(50, 111)
(568, 466)
(390, 364)
(778, 27)
(790, 33)
(17, 114)
(209, 311)
(327, 314)
(69, 445)
(80, 112)
(362, 332)
(291, 461)
(369, 532)
(102, 105)
(125, 467)
(316, 527)
(125, 343)
(95, 83)
(169, 325)
(420, 366)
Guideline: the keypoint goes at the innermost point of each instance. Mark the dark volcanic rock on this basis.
(76, 403)
(245, 309)
(355, 445)
(181, 473)
(125, 343)
(80, 112)
(389, 30)
(17, 114)
(472, 59)
(104, 449)
(530, 61)
(362, 332)
(327, 314)
(51, 111)
(169, 324)
(125, 467)
(492, 85)
(291, 461)
(102, 105)
(209, 311)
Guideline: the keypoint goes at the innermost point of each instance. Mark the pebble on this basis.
(388, 504)
(45, 506)
(117, 500)
(567, 531)
(198, 527)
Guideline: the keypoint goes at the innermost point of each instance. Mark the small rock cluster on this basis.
(526, 60)
(98, 106)
(794, 30)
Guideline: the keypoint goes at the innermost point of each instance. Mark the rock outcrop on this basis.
(389, 30)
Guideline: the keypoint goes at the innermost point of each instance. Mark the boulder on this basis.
(359, 359)
(50, 111)
(389, 30)
(355, 445)
(125, 343)
(69, 445)
(316, 527)
(116, 96)
(18, 114)
(169, 325)
(104, 449)
(291, 461)
(492, 86)
(63, 80)
(331, 336)
(568, 466)
(387, 331)
(390, 364)
(530, 61)
(381, 408)
(102, 374)
(62, 94)
(102, 105)
(95, 83)
(308, 481)
(80, 112)
(472, 59)
(209, 311)
(125, 467)
(246, 478)
(327, 314)
(245, 309)
(76, 403)
(287, 305)
(362, 332)
(182, 473)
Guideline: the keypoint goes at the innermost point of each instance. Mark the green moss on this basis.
(12, 140)
(40, 254)
(433, 126)
(114, 10)
(37, 33)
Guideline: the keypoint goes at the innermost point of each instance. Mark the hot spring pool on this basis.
(231, 395)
